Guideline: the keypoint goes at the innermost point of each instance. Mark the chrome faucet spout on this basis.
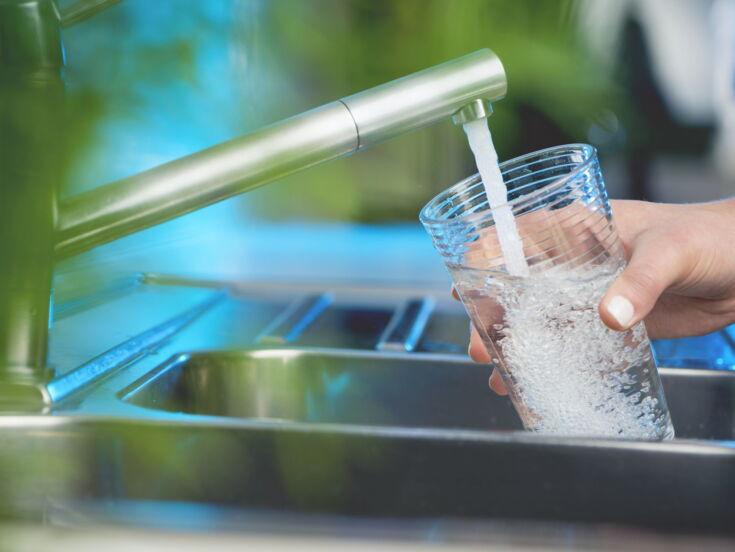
(462, 88)
(31, 84)
(479, 109)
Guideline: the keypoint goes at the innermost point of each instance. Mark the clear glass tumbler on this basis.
(566, 372)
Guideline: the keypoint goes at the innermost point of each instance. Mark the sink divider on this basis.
(297, 317)
(406, 327)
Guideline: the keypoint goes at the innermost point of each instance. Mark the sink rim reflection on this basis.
(290, 353)
(522, 452)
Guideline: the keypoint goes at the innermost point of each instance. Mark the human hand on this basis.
(680, 278)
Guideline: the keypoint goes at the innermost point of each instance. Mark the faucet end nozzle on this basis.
(477, 109)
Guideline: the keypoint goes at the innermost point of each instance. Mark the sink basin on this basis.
(345, 433)
(378, 389)
(358, 435)
(327, 387)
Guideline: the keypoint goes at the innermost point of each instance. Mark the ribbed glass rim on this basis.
(589, 155)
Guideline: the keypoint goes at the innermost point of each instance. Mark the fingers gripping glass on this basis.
(565, 371)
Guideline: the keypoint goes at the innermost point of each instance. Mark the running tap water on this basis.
(481, 143)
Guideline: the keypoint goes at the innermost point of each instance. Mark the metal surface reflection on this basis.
(327, 387)
(63, 471)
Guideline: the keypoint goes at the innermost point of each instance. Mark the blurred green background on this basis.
(151, 81)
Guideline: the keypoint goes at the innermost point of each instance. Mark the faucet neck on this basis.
(31, 102)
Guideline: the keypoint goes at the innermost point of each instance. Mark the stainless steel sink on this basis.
(379, 389)
(211, 439)
(337, 387)
(73, 470)
(176, 416)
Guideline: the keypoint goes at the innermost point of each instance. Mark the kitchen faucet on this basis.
(36, 229)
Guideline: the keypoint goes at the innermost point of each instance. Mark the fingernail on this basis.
(621, 310)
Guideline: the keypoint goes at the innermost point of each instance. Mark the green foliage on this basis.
(332, 48)
(341, 47)
(290, 55)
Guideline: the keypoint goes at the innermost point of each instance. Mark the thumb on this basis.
(656, 264)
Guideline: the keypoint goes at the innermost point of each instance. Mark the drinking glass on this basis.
(565, 371)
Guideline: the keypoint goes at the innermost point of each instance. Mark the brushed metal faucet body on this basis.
(462, 89)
